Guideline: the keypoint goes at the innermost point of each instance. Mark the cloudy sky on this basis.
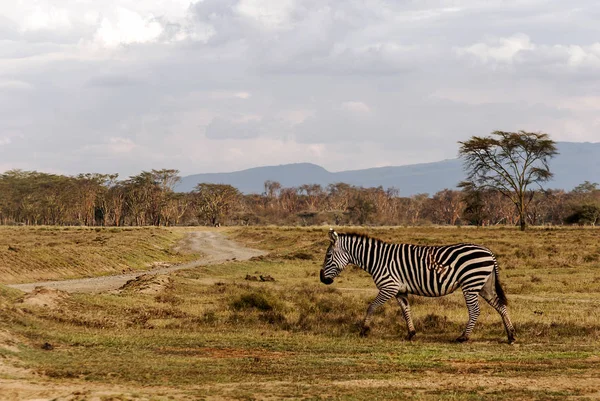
(222, 85)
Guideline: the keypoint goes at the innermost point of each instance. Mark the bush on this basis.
(253, 300)
(584, 214)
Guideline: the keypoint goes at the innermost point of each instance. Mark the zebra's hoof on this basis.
(364, 331)
(511, 340)
(410, 335)
(462, 339)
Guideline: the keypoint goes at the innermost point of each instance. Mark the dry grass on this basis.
(43, 253)
(296, 338)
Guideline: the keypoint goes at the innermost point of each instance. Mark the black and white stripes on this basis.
(432, 271)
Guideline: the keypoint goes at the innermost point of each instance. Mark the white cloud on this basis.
(420, 15)
(15, 85)
(46, 18)
(502, 50)
(317, 150)
(128, 27)
(295, 116)
(582, 103)
(120, 145)
(230, 95)
(518, 49)
(582, 55)
(242, 95)
(356, 107)
(268, 14)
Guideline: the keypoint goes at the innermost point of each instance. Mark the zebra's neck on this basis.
(364, 250)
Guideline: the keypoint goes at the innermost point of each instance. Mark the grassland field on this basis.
(237, 337)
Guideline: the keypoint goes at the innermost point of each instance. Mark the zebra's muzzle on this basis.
(324, 279)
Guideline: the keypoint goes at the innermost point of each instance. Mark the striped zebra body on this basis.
(432, 271)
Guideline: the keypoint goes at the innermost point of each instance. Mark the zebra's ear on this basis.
(333, 236)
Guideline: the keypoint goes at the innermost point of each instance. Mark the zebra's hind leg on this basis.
(472, 301)
(381, 298)
(503, 311)
(489, 292)
(403, 302)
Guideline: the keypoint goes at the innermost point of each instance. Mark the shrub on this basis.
(252, 300)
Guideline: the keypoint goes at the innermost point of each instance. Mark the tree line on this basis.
(500, 170)
(35, 198)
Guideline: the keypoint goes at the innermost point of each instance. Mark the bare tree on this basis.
(414, 208)
(447, 206)
(271, 189)
(313, 196)
(508, 162)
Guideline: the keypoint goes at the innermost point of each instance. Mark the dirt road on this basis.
(214, 246)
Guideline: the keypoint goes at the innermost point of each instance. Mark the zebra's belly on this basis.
(434, 292)
(435, 289)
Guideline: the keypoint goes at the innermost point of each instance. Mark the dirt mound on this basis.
(148, 284)
(45, 297)
(8, 341)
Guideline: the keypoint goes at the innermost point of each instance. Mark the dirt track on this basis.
(215, 247)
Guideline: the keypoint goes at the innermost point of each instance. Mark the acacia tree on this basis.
(508, 162)
(361, 207)
(215, 202)
(165, 179)
(89, 187)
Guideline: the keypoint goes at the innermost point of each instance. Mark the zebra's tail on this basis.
(499, 291)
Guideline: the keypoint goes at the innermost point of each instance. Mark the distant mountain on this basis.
(577, 162)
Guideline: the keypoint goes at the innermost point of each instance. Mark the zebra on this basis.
(432, 271)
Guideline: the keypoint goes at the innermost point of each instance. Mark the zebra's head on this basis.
(335, 259)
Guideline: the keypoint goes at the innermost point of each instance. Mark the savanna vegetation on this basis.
(503, 185)
(236, 337)
(501, 170)
(33, 198)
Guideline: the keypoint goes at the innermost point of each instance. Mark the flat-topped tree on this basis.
(508, 162)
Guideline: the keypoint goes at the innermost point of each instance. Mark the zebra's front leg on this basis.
(381, 298)
(472, 301)
(403, 302)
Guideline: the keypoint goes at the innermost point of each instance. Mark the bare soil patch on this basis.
(8, 341)
(148, 284)
(50, 298)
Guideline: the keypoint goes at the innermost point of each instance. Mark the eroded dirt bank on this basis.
(215, 247)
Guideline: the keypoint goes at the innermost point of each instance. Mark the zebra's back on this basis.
(434, 271)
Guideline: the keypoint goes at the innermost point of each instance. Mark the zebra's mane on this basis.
(358, 235)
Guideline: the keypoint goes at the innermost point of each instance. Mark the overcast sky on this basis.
(223, 85)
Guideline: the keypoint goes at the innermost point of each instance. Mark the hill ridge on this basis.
(576, 162)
